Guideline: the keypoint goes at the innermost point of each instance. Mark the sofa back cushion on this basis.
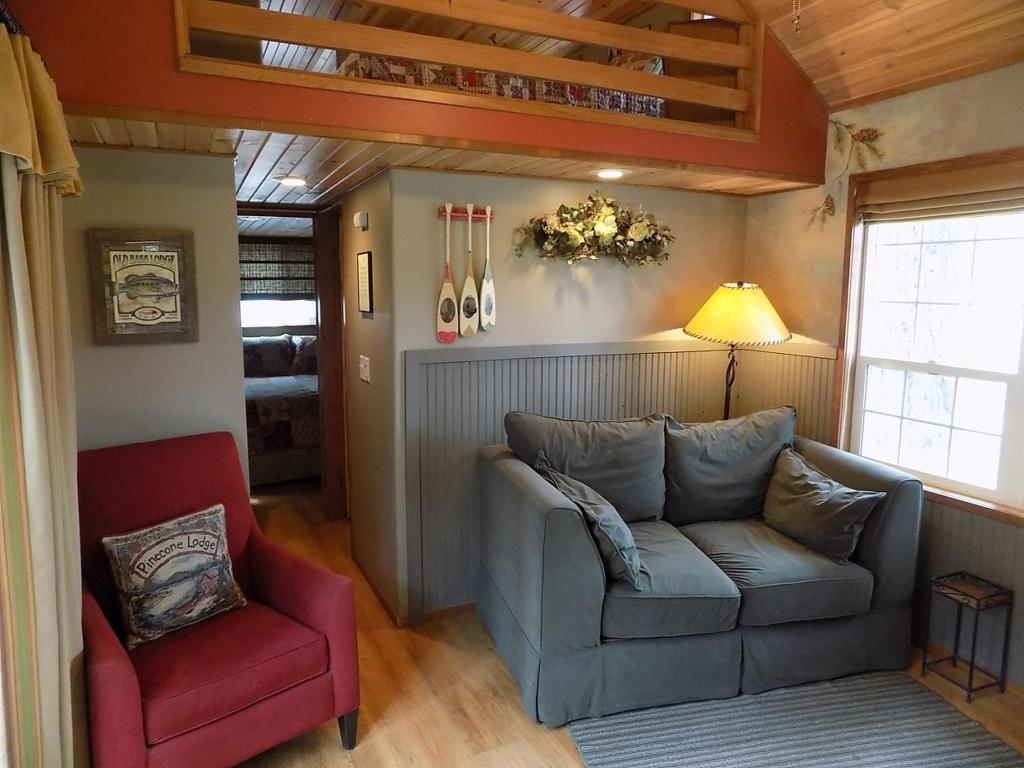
(809, 506)
(720, 470)
(267, 355)
(624, 461)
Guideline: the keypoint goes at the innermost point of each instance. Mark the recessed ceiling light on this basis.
(290, 181)
(610, 174)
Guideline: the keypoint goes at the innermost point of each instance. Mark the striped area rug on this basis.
(882, 720)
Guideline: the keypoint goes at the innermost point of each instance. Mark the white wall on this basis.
(378, 538)
(149, 391)
(542, 301)
(799, 262)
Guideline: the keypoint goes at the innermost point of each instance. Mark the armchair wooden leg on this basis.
(347, 725)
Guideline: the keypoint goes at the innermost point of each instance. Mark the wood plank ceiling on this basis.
(856, 51)
(853, 51)
(302, 57)
(332, 167)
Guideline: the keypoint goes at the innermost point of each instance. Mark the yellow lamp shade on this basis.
(738, 313)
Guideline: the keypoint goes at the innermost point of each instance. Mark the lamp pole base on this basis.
(730, 377)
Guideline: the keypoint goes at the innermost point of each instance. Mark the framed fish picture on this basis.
(143, 286)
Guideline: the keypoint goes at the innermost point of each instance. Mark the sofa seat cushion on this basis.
(781, 580)
(684, 593)
(209, 670)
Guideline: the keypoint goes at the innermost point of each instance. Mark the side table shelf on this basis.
(977, 595)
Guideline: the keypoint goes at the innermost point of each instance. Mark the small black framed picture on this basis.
(364, 280)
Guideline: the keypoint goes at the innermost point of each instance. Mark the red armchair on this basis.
(231, 686)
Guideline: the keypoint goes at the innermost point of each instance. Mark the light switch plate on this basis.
(364, 368)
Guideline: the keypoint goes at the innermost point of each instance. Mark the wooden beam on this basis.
(214, 16)
(552, 24)
(730, 10)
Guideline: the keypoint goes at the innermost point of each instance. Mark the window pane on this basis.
(884, 390)
(893, 273)
(980, 405)
(1001, 225)
(941, 334)
(880, 437)
(924, 447)
(989, 337)
(898, 232)
(258, 313)
(955, 228)
(889, 331)
(974, 458)
(998, 271)
(929, 397)
(946, 272)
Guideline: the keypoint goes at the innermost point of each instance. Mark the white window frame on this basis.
(1010, 477)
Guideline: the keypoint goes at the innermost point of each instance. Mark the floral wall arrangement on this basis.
(860, 145)
(598, 227)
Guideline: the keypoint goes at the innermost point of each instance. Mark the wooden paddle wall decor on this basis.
(475, 309)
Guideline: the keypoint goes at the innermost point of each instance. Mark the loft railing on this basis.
(743, 57)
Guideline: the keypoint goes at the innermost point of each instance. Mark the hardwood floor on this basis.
(438, 695)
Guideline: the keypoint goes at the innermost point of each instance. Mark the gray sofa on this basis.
(734, 606)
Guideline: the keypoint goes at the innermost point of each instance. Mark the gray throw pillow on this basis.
(720, 470)
(624, 461)
(611, 534)
(809, 506)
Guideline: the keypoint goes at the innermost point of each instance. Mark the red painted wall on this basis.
(121, 53)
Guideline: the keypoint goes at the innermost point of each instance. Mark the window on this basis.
(267, 313)
(939, 389)
(278, 282)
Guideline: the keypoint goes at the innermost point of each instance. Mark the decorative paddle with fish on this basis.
(488, 305)
(447, 303)
(469, 316)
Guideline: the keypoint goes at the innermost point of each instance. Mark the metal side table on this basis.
(977, 595)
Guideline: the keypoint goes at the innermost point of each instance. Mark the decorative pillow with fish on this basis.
(174, 574)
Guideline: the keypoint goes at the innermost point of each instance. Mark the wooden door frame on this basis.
(331, 342)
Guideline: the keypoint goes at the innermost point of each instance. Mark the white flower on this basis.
(606, 228)
(551, 223)
(639, 230)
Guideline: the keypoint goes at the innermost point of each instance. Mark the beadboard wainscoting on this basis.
(801, 375)
(456, 398)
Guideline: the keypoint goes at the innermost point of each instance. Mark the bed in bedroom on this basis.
(282, 407)
(392, 69)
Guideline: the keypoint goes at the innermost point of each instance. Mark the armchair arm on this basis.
(888, 545)
(537, 550)
(117, 737)
(314, 596)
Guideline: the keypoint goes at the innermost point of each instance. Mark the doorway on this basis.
(292, 333)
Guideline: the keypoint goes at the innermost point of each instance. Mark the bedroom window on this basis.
(938, 383)
(278, 282)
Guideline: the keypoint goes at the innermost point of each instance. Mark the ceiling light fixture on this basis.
(290, 181)
(610, 174)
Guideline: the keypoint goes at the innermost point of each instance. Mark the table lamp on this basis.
(737, 314)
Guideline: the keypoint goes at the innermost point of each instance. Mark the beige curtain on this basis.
(37, 167)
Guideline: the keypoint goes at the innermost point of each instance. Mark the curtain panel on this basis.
(40, 583)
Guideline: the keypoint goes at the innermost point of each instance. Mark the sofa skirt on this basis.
(623, 675)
